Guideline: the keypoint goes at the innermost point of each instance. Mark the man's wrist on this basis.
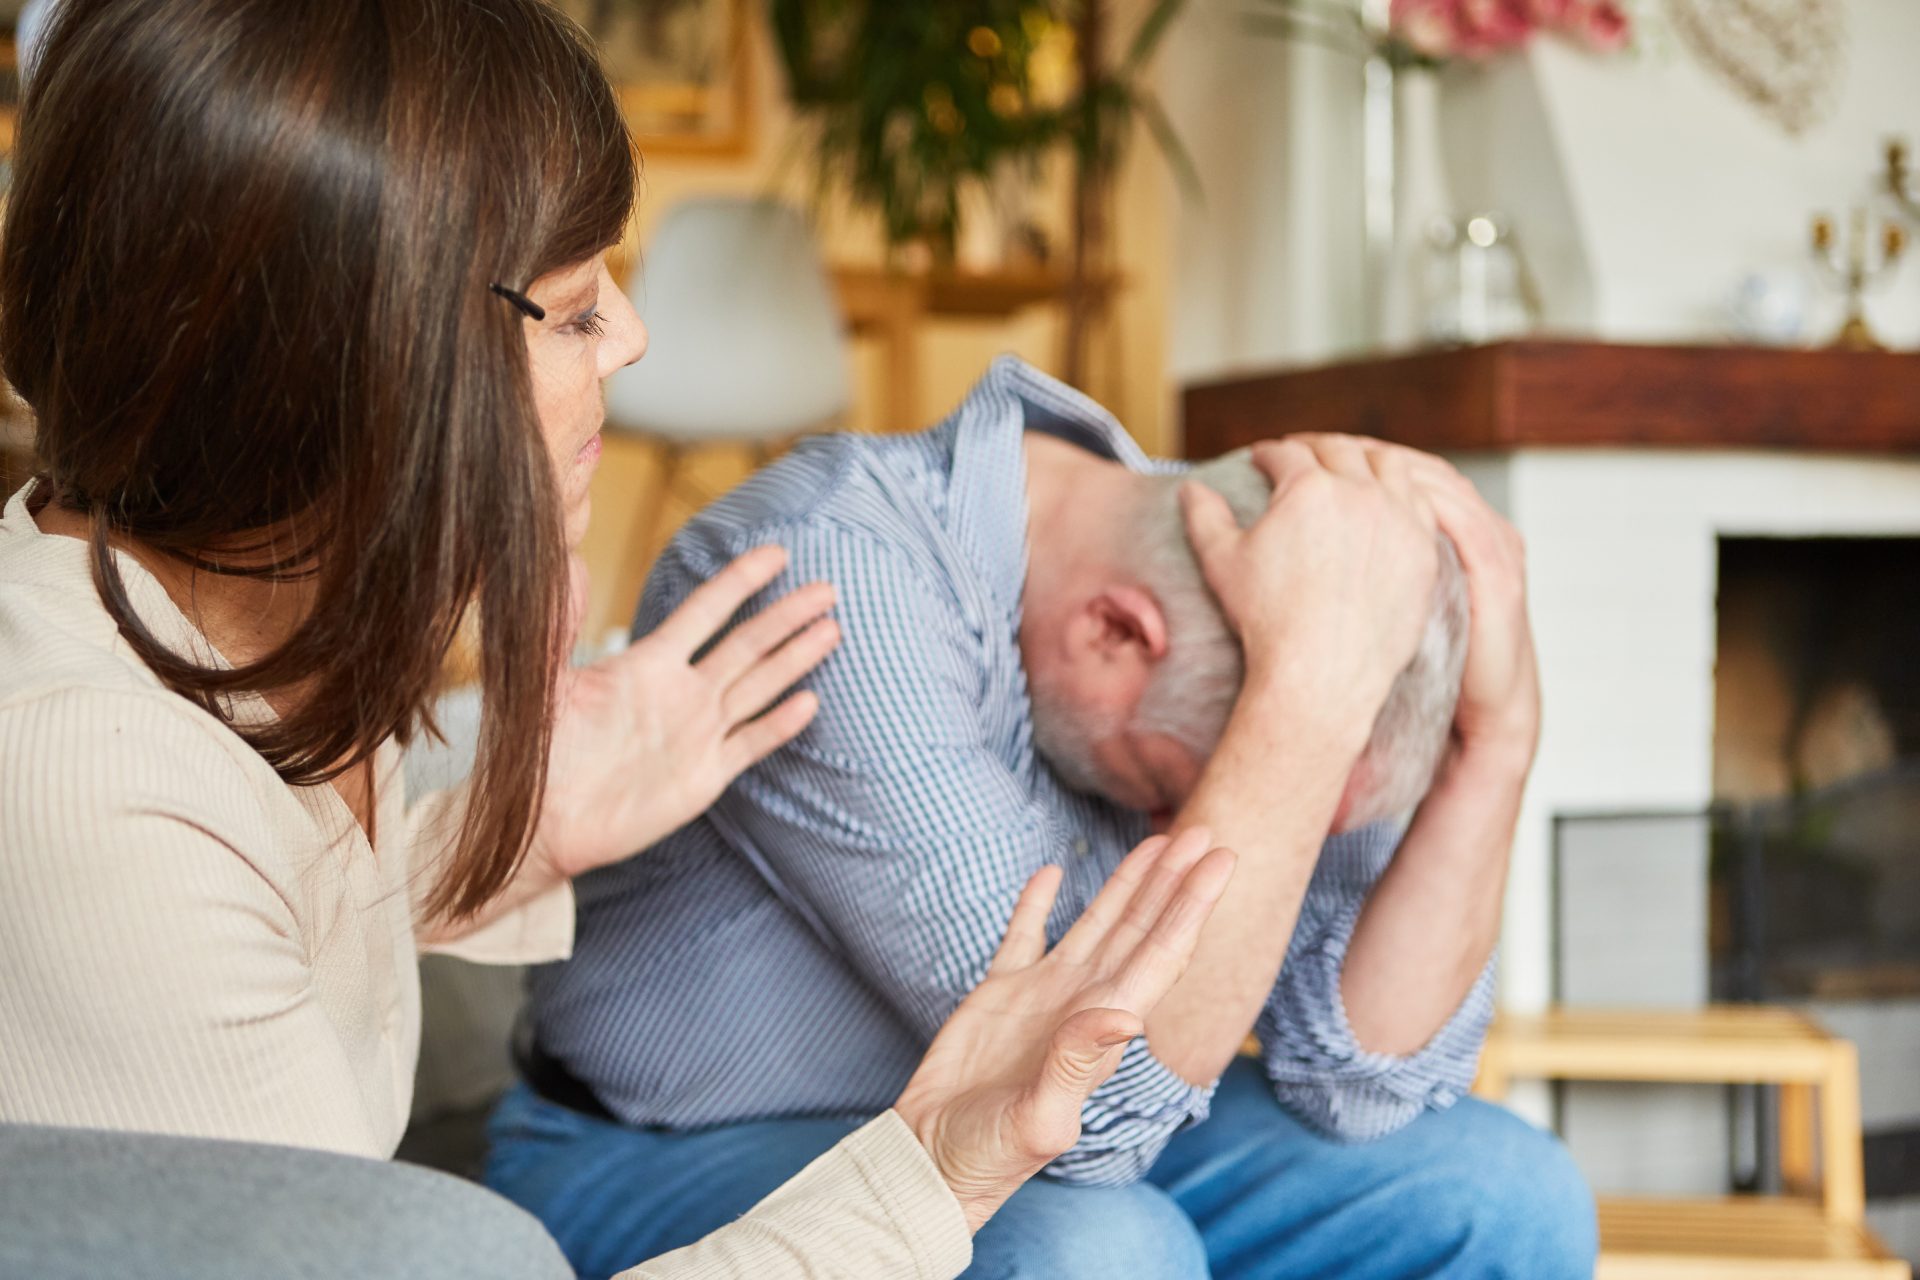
(1337, 719)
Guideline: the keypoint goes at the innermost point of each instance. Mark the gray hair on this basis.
(1190, 696)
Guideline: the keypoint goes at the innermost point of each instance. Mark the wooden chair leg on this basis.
(1843, 1175)
(1797, 1173)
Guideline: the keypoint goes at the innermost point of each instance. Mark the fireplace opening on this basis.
(1815, 872)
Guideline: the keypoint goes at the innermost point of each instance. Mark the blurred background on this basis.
(1642, 269)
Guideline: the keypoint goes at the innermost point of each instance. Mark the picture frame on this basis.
(681, 69)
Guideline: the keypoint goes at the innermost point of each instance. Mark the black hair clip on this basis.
(533, 309)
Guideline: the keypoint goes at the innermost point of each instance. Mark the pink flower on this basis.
(1427, 26)
(1476, 29)
(1602, 25)
(1482, 29)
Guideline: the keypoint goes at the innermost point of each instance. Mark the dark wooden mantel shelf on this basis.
(1550, 394)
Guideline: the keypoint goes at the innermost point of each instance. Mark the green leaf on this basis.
(1152, 30)
(1167, 138)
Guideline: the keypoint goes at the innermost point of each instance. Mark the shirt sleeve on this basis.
(1319, 1071)
(153, 973)
(874, 1205)
(895, 829)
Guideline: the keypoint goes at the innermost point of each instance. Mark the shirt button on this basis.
(1082, 847)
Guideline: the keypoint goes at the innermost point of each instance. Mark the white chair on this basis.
(746, 342)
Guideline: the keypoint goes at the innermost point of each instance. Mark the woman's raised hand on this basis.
(648, 738)
(998, 1095)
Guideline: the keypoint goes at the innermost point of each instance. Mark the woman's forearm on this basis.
(874, 1205)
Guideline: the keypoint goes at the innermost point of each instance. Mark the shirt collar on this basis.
(987, 493)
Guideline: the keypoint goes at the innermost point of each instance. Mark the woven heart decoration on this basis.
(1783, 56)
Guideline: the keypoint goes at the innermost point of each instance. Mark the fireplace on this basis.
(1652, 484)
(1816, 868)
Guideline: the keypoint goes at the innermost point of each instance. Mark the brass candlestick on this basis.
(1899, 177)
(1858, 265)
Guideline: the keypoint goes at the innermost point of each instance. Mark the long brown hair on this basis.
(245, 290)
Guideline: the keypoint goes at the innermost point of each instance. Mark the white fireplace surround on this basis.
(1622, 555)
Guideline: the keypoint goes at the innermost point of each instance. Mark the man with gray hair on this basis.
(1190, 699)
(1050, 645)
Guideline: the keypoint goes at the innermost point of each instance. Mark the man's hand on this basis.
(1329, 590)
(1499, 709)
(1431, 922)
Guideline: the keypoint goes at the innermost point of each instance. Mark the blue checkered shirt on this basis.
(793, 951)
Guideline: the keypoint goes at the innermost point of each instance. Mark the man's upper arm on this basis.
(893, 826)
(1319, 1070)
(890, 823)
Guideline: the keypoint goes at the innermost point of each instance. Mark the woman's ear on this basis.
(1128, 617)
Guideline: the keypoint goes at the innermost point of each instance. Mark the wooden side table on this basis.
(1816, 1232)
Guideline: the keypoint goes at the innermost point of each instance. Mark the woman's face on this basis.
(591, 331)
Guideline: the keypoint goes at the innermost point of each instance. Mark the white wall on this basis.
(1268, 262)
(1643, 189)
(1679, 187)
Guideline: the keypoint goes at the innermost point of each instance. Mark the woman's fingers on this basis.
(777, 672)
(751, 641)
(1147, 903)
(1109, 906)
(1026, 937)
(1086, 932)
(1085, 1050)
(1161, 956)
(708, 607)
(755, 740)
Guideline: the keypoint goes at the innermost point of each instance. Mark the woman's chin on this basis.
(579, 513)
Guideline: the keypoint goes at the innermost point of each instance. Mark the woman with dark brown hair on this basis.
(309, 300)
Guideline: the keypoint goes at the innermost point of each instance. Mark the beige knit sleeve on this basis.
(151, 972)
(872, 1206)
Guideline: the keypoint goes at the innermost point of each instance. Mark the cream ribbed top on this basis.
(189, 945)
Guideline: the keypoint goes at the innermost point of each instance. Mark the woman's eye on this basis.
(592, 325)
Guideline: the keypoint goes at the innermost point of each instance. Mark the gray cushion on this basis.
(83, 1204)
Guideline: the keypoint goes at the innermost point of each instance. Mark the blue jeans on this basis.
(1470, 1192)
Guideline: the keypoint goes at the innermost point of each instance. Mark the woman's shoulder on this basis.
(96, 754)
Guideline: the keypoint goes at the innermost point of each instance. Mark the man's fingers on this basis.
(1487, 544)
(755, 740)
(1345, 456)
(1025, 941)
(1211, 528)
(766, 631)
(1111, 902)
(1163, 954)
(708, 607)
(777, 672)
(1283, 461)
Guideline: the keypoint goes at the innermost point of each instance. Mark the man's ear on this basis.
(1129, 617)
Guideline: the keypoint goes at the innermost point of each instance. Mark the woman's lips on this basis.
(589, 452)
